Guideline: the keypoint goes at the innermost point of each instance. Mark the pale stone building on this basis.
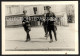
(15, 12)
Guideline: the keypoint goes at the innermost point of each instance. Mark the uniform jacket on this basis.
(49, 22)
(26, 23)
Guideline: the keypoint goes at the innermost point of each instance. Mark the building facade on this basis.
(13, 12)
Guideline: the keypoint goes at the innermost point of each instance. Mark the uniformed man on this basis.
(45, 26)
(26, 25)
(50, 21)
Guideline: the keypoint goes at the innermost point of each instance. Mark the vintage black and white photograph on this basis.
(40, 26)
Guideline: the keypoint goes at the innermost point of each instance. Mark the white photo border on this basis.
(3, 3)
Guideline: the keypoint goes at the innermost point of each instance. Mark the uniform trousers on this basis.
(26, 28)
(50, 29)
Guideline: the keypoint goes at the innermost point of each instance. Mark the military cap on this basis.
(48, 7)
(24, 11)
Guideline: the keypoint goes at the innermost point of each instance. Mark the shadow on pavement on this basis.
(39, 41)
(29, 41)
(17, 40)
(39, 38)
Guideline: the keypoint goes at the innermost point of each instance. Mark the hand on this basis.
(43, 19)
(52, 19)
(23, 22)
(27, 21)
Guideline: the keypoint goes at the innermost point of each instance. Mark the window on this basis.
(35, 10)
(10, 12)
(44, 7)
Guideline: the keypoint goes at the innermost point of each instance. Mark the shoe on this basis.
(56, 39)
(29, 39)
(26, 40)
(46, 35)
(51, 41)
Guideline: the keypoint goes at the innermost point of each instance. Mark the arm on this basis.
(54, 17)
(23, 21)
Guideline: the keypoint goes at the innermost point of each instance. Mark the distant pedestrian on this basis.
(59, 21)
(45, 26)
